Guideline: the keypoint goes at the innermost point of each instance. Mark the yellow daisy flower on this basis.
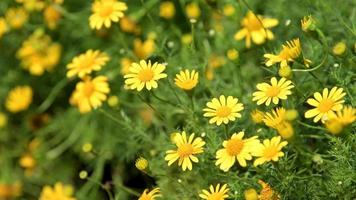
(217, 193)
(143, 49)
(87, 62)
(150, 195)
(270, 150)
(16, 17)
(167, 10)
(90, 93)
(52, 16)
(141, 163)
(325, 104)
(3, 27)
(144, 74)
(186, 150)
(256, 29)
(59, 191)
(308, 23)
(342, 118)
(223, 110)
(277, 119)
(272, 92)
(289, 52)
(192, 10)
(234, 149)
(187, 80)
(19, 99)
(105, 12)
(257, 116)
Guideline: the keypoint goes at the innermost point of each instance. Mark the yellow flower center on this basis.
(185, 150)
(106, 11)
(234, 146)
(88, 89)
(270, 152)
(215, 196)
(223, 111)
(253, 24)
(273, 91)
(326, 105)
(145, 75)
(87, 63)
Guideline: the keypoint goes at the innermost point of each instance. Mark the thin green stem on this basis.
(52, 96)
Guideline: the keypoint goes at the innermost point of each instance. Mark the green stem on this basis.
(52, 96)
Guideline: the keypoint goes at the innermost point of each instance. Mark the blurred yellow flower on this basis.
(187, 38)
(187, 80)
(270, 150)
(19, 99)
(291, 115)
(308, 23)
(84, 64)
(113, 101)
(251, 194)
(256, 28)
(52, 16)
(141, 163)
(38, 53)
(28, 162)
(10, 191)
(289, 52)
(341, 119)
(125, 64)
(272, 92)
(3, 27)
(223, 110)
(232, 54)
(104, 12)
(216, 61)
(58, 192)
(236, 149)
(257, 116)
(325, 104)
(147, 114)
(339, 48)
(267, 193)
(16, 17)
(167, 10)
(277, 119)
(128, 25)
(152, 195)
(3, 120)
(228, 10)
(32, 5)
(144, 49)
(90, 93)
(217, 193)
(87, 147)
(285, 72)
(144, 74)
(187, 148)
(192, 10)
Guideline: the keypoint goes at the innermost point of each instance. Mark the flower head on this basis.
(257, 116)
(342, 118)
(270, 150)
(223, 110)
(19, 99)
(144, 74)
(32, 5)
(87, 62)
(267, 193)
(308, 23)
(289, 52)
(339, 48)
(186, 150)
(150, 195)
(325, 104)
(277, 120)
(236, 149)
(256, 28)
(105, 12)
(52, 16)
(272, 92)
(217, 193)
(192, 10)
(16, 17)
(141, 163)
(143, 49)
(187, 80)
(58, 192)
(90, 93)
(3, 27)
(167, 10)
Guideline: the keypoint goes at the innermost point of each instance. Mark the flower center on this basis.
(326, 105)
(185, 150)
(234, 146)
(273, 91)
(145, 75)
(253, 24)
(270, 152)
(223, 111)
(88, 89)
(106, 11)
(87, 64)
(215, 196)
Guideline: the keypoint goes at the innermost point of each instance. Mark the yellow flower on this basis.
(144, 49)
(52, 16)
(232, 54)
(187, 38)
(3, 27)
(167, 10)
(257, 116)
(19, 99)
(10, 191)
(216, 61)
(341, 119)
(289, 52)
(32, 5)
(87, 62)
(236, 149)
(228, 10)
(150, 195)
(106, 11)
(270, 150)
(325, 104)
(291, 115)
(38, 53)
(223, 110)
(308, 23)
(339, 48)
(141, 163)
(3, 120)
(129, 25)
(90, 93)
(192, 10)
(267, 193)
(217, 193)
(277, 120)
(125, 64)
(334, 126)
(113, 101)
(256, 28)
(186, 150)
(285, 72)
(144, 74)
(16, 17)
(58, 192)
(251, 194)
(187, 80)
(272, 92)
